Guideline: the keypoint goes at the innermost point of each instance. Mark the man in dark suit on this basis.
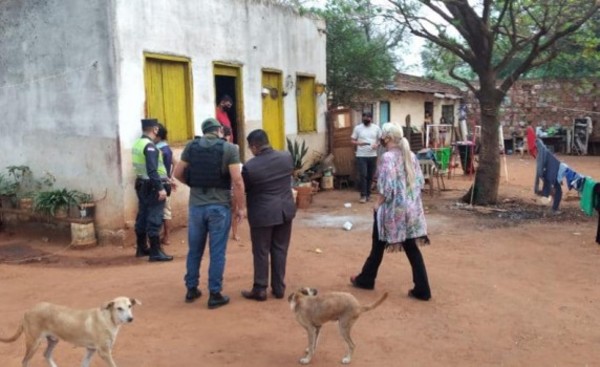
(271, 208)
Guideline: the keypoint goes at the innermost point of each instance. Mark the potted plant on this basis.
(25, 184)
(86, 204)
(298, 153)
(55, 202)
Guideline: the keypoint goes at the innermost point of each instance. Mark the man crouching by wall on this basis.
(209, 166)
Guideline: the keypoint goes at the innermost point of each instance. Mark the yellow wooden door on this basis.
(168, 97)
(306, 101)
(272, 107)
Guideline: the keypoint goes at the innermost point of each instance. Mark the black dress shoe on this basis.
(356, 284)
(278, 295)
(418, 296)
(217, 300)
(159, 256)
(192, 294)
(255, 294)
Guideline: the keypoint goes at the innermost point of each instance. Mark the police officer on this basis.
(151, 186)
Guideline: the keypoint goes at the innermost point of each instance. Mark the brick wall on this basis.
(548, 102)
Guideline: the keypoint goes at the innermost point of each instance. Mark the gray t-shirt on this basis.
(366, 134)
(231, 155)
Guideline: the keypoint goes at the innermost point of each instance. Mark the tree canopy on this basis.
(360, 47)
(499, 41)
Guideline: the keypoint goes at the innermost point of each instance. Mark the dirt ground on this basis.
(514, 285)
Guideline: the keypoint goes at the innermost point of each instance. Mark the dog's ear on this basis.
(108, 305)
(135, 301)
(305, 291)
(314, 291)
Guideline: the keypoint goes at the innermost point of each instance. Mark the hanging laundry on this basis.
(597, 196)
(550, 181)
(589, 199)
(540, 165)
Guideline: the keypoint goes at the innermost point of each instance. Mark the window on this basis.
(306, 104)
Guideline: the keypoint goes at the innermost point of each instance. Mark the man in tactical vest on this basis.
(151, 187)
(210, 166)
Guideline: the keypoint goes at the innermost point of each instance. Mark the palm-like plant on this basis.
(298, 152)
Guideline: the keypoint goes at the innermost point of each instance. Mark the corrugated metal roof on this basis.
(411, 83)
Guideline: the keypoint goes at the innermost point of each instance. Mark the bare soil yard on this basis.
(513, 285)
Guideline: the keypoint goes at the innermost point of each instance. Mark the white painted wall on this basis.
(58, 95)
(72, 80)
(252, 33)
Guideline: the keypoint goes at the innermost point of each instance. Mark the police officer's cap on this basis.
(209, 124)
(148, 123)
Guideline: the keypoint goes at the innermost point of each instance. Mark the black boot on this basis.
(142, 246)
(156, 253)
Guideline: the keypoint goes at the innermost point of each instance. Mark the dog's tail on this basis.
(14, 337)
(374, 304)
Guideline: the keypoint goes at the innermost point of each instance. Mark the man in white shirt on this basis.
(366, 138)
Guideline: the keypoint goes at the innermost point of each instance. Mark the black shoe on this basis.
(159, 256)
(192, 294)
(418, 296)
(255, 294)
(142, 252)
(356, 284)
(216, 300)
(278, 295)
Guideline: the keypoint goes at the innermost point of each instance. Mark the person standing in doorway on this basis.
(271, 209)
(210, 166)
(366, 138)
(170, 163)
(222, 111)
(151, 187)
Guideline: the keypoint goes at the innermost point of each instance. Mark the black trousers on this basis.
(150, 211)
(270, 242)
(367, 276)
(366, 170)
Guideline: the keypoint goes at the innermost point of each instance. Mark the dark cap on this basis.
(209, 124)
(148, 123)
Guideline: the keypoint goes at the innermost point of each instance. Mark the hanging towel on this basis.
(562, 172)
(574, 180)
(597, 198)
(540, 165)
(588, 198)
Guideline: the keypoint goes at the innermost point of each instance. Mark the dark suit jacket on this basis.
(268, 181)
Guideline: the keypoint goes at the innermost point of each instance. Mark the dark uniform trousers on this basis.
(273, 241)
(150, 210)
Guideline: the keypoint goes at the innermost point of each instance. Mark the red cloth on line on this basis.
(531, 141)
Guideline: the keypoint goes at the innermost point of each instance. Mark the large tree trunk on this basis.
(487, 176)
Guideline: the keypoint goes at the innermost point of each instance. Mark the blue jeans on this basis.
(211, 221)
(366, 171)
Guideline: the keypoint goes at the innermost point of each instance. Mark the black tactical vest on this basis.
(205, 166)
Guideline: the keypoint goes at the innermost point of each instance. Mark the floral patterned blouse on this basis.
(401, 215)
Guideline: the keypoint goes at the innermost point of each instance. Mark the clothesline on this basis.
(568, 109)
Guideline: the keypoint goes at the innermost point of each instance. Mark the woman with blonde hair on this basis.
(399, 217)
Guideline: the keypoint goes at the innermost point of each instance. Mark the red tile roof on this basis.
(410, 83)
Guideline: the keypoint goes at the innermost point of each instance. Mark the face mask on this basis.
(366, 122)
(382, 142)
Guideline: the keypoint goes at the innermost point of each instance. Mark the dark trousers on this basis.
(367, 276)
(366, 170)
(270, 241)
(150, 212)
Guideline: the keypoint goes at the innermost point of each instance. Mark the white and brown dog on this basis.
(313, 310)
(94, 329)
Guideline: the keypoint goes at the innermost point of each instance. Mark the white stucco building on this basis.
(77, 76)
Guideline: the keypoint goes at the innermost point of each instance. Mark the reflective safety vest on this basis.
(139, 159)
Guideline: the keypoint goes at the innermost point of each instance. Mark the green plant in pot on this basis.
(55, 202)
(86, 204)
(26, 185)
(298, 153)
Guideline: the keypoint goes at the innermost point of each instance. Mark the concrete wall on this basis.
(252, 33)
(58, 95)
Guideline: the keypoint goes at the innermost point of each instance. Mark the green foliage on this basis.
(7, 187)
(24, 184)
(298, 152)
(360, 45)
(48, 202)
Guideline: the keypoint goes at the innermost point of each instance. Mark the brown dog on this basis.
(313, 310)
(94, 329)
